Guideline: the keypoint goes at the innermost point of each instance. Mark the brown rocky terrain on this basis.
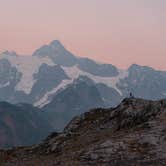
(134, 133)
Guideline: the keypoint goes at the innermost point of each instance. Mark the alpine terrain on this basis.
(133, 133)
(52, 69)
(57, 85)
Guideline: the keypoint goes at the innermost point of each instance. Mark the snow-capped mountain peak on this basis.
(51, 49)
(36, 79)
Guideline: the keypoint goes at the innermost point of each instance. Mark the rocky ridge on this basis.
(133, 133)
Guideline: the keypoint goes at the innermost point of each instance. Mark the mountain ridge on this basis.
(22, 124)
(131, 133)
(43, 80)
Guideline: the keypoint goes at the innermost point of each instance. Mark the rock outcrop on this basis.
(134, 133)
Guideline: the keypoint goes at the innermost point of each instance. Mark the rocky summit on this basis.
(133, 133)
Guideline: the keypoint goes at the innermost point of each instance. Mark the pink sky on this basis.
(120, 32)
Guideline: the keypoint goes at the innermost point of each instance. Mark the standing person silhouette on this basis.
(131, 95)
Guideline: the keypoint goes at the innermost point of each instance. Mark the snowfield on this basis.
(28, 66)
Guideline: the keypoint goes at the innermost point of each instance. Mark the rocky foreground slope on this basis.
(134, 133)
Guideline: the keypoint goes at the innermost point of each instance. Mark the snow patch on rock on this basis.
(73, 73)
(4, 85)
(164, 93)
(46, 98)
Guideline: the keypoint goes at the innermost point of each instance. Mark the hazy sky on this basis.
(120, 32)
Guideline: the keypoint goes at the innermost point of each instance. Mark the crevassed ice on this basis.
(28, 66)
(74, 72)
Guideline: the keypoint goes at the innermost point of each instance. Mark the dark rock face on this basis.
(57, 52)
(144, 82)
(9, 77)
(103, 70)
(110, 96)
(131, 134)
(47, 78)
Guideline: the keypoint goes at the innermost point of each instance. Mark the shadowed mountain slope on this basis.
(21, 125)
